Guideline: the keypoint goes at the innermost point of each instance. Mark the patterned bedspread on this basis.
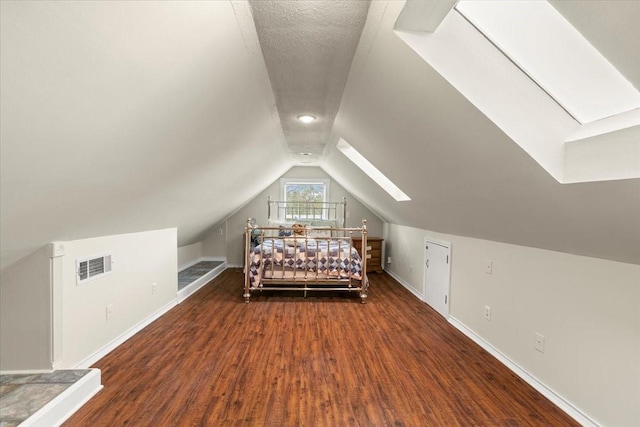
(329, 257)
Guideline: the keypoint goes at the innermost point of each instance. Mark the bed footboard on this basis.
(305, 263)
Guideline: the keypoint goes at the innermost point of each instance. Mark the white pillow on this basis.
(276, 224)
(318, 232)
(326, 223)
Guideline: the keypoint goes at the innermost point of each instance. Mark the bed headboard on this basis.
(283, 211)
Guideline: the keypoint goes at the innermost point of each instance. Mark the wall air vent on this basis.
(91, 268)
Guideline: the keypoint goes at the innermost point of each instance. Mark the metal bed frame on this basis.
(281, 278)
(281, 210)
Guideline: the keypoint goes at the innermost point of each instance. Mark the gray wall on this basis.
(25, 314)
(230, 243)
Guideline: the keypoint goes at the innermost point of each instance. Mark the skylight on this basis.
(544, 45)
(373, 173)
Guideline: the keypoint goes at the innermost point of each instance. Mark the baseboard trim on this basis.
(86, 363)
(27, 372)
(188, 264)
(547, 392)
(192, 287)
(58, 410)
(405, 284)
(197, 260)
(235, 266)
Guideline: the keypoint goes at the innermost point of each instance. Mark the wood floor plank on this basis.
(327, 360)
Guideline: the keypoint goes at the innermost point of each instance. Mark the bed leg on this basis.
(246, 297)
(364, 288)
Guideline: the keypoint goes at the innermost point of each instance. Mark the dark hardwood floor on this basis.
(283, 360)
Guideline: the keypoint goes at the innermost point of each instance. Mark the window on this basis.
(539, 80)
(546, 47)
(311, 192)
(371, 171)
(91, 268)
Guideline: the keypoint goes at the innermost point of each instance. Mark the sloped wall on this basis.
(464, 175)
(588, 309)
(121, 117)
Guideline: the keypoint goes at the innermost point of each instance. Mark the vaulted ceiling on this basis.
(308, 47)
(129, 116)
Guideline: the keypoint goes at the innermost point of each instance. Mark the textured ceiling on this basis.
(308, 47)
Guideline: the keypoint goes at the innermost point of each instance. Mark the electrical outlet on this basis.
(388, 260)
(154, 288)
(489, 267)
(109, 311)
(540, 342)
(220, 231)
(487, 312)
(411, 269)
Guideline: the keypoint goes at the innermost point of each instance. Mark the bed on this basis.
(305, 247)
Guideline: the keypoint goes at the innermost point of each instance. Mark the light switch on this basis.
(540, 342)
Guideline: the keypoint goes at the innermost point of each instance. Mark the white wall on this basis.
(588, 309)
(139, 260)
(231, 242)
(25, 314)
(189, 254)
(614, 155)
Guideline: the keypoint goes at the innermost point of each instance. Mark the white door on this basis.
(436, 276)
